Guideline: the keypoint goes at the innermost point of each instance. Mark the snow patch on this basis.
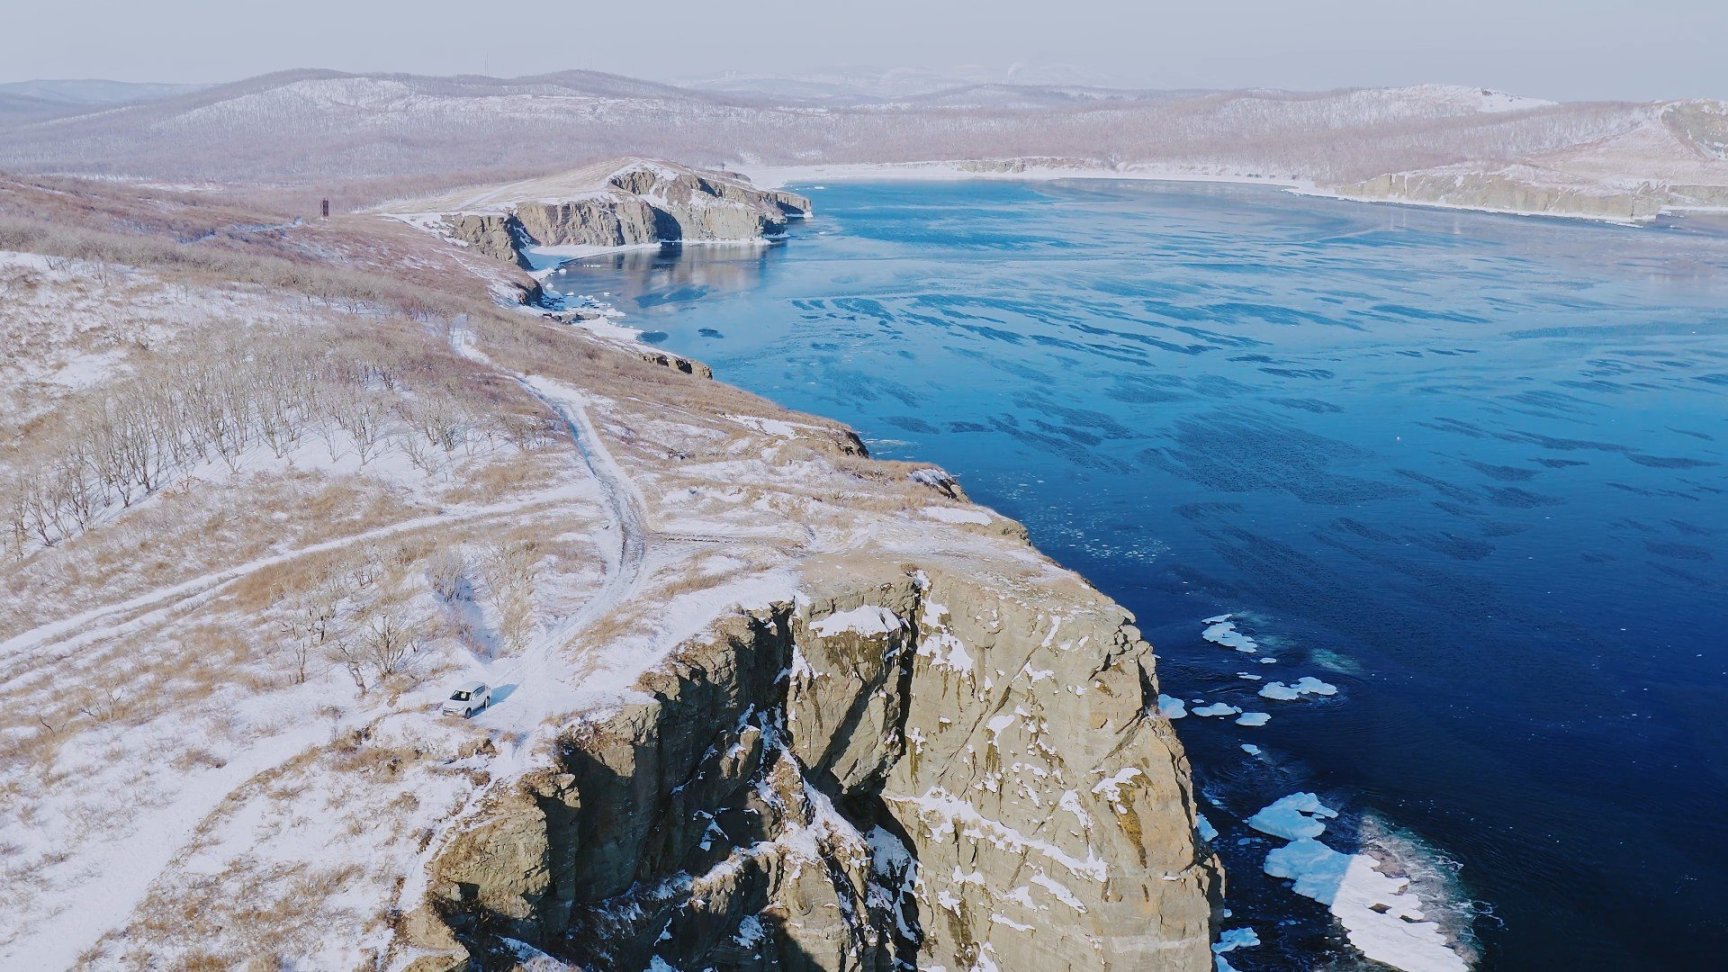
(866, 620)
(955, 514)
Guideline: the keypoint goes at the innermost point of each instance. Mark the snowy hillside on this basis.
(324, 128)
(270, 490)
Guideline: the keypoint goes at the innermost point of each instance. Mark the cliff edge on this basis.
(915, 769)
(634, 203)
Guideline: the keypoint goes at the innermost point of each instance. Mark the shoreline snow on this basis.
(964, 170)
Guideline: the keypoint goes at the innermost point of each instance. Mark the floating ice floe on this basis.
(1268, 661)
(1236, 938)
(1171, 708)
(1251, 749)
(1222, 631)
(1293, 817)
(1250, 676)
(1204, 828)
(1217, 709)
(1306, 685)
(1254, 719)
(1230, 941)
(1382, 918)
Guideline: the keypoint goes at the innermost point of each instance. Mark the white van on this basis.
(469, 698)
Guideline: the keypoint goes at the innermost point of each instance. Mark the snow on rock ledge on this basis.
(882, 808)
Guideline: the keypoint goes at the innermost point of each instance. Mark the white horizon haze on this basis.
(1593, 50)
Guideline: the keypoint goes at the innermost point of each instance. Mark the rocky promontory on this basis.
(914, 768)
(603, 207)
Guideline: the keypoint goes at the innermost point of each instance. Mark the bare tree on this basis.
(363, 414)
(312, 620)
(388, 642)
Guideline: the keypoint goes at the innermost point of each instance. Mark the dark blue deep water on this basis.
(1470, 469)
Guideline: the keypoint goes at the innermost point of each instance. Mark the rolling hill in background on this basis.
(27, 101)
(375, 133)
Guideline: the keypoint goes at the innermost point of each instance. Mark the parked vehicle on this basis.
(469, 698)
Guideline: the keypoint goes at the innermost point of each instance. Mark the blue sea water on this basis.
(1468, 468)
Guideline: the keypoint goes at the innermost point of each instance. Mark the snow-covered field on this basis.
(230, 750)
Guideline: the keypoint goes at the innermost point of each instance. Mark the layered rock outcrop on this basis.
(918, 769)
(642, 202)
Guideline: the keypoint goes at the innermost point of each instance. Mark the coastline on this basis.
(1020, 170)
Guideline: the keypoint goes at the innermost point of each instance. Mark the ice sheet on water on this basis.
(1293, 817)
(1382, 918)
(1224, 633)
(1204, 828)
(1306, 685)
(1217, 709)
(1235, 938)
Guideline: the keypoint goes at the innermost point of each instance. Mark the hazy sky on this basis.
(1563, 49)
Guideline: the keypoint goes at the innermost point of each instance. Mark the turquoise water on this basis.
(1469, 469)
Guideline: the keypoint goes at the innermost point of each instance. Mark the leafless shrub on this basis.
(362, 414)
(447, 572)
(102, 706)
(511, 572)
(312, 620)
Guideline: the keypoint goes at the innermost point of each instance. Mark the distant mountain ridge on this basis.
(1442, 144)
(25, 101)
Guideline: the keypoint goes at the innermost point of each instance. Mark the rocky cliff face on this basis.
(644, 202)
(494, 235)
(914, 770)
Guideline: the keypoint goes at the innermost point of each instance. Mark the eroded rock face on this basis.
(645, 202)
(603, 219)
(915, 771)
(497, 236)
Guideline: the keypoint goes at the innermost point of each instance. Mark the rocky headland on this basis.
(762, 701)
(609, 206)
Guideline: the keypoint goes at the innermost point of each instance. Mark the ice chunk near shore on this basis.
(1236, 938)
(1306, 685)
(1254, 719)
(1293, 817)
(1230, 941)
(1172, 708)
(1217, 709)
(1204, 828)
(1383, 920)
(1224, 633)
